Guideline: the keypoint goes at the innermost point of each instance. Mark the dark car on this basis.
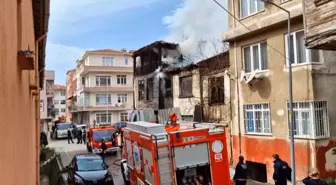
(88, 169)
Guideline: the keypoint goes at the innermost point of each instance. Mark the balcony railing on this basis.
(95, 107)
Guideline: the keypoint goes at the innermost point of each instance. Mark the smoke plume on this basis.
(197, 25)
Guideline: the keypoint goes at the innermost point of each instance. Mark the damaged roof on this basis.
(159, 43)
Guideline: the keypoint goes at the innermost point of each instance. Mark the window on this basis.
(126, 61)
(310, 119)
(103, 81)
(103, 99)
(141, 90)
(56, 102)
(107, 61)
(150, 92)
(41, 106)
(83, 81)
(62, 109)
(62, 102)
(168, 89)
(249, 7)
(216, 90)
(56, 111)
(63, 93)
(122, 98)
(121, 79)
(257, 118)
(103, 118)
(123, 116)
(298, 53)
(186, 86)
(255, 57)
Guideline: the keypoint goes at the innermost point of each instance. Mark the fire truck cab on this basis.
(177, 154)
(96, 135)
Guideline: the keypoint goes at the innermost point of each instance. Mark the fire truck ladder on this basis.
(163, 159)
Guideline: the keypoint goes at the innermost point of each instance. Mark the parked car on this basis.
(62, 130)
(88, 169)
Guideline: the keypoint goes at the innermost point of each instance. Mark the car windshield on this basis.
(95, 164)
(63, 126)
(99, 135)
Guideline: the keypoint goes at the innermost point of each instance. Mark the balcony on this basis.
(84, 70)
(73, 108)
(106, 89)
(95, 107)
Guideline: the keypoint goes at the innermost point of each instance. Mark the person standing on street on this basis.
(103, 147)
(84, 136)
(69, 137)
(314, 179)
(79, 136)
(282, 172)
(240, 176)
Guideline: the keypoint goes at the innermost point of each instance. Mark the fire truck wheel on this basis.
(124, 175)
(89, 149)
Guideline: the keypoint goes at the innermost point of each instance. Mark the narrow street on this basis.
(68, 151)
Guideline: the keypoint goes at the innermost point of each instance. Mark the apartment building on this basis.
(60, 100)
(70, 93)
(259, 90)
(104, 87)
(320, 24)
(47, 100)
(22, 54)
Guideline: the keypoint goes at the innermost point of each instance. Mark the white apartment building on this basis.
(59, 100)
(104, 89)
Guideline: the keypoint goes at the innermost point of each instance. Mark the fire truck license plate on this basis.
(218, 157)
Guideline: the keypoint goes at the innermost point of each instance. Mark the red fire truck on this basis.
(177, 154)
(96, 135)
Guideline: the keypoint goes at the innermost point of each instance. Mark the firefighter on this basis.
(282, 172)
(113, 139)
(84, 136)
(103, 147)
(240, 176)
(79, 136)
(314, 179)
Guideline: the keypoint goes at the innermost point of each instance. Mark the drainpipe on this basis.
(237, 81)
(37, 108)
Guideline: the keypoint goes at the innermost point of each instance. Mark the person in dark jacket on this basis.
(314, 179)
(103, 147)
(69, 136)
(240, 176)
(84, 136)
(79, 136)
(281, 171)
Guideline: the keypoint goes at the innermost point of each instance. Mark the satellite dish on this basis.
(250, 78)
(242, 75)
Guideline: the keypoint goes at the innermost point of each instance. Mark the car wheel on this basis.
(124, 175)
(89, 149)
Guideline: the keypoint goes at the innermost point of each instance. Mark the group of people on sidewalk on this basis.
(80, 134)
(282, 173)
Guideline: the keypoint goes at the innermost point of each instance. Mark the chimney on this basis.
(123, 50)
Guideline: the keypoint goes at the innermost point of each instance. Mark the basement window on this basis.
(310, 119)
(257, 118)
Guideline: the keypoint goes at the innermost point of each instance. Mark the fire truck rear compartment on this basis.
(192, 162)
(188, 176)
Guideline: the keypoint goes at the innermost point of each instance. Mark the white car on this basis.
(62, 130)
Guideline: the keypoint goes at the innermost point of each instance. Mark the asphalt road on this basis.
(68, 151)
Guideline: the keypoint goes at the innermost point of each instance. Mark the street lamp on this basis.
(290, 92)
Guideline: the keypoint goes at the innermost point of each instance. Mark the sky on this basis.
(79, 25)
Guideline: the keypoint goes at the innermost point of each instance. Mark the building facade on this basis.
(104, 87)
(47, 100)
(70, 93)
(22, 54)
(259, 90)
(60, 100)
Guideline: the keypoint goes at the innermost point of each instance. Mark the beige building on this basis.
(104, 89)
(47, 99)
(60, 101)
(70, 93)
(259, 90)
(24, 24)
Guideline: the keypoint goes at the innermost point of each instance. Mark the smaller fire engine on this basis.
(97, 134)
(186, 153)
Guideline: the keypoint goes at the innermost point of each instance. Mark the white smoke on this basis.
(197, 25)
